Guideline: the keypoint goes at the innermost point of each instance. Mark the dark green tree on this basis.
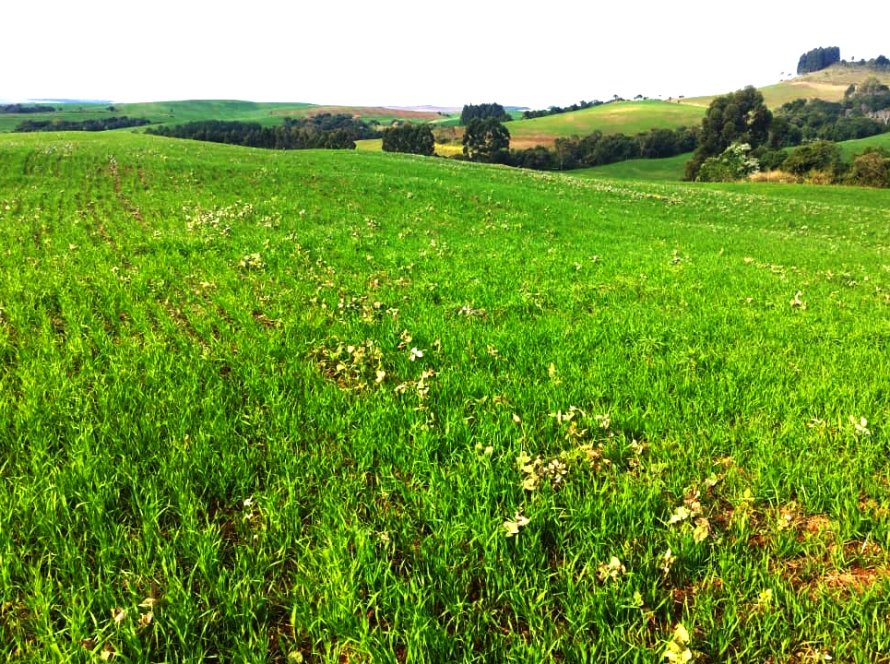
(482, 112)
(409, 138)
(818, 58)
(486, 140)
(739, 117)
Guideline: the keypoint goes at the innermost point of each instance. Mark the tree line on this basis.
(410, 138)
(556, 110)
(288, 136)
(26, 108)
(324, 122)
(99, 124)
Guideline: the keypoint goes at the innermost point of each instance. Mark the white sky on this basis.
(413, 53)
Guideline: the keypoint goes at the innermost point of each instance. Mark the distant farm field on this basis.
(265, 406)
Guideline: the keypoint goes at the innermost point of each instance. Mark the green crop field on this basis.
(263, 406)
(629, 117)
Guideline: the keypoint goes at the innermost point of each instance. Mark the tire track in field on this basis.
(126, 202)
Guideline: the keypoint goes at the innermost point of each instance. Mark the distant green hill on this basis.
(178, 112)
(626, 117)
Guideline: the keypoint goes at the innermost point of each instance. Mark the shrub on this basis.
(871, 169)
(734, 163)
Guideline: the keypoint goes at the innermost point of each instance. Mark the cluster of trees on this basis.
(739, 117)
(289, 136)
(483, 112)
(486, 139)
(818, 162)
(809, 120)
(325, 122)
(598, 149)
(556, 110)
(803, 120)
(742, 119)
(100, 124)
(26, 108)
(818, 58)
(489, 141)
(410, 138)
(821, 162)
(880, 62)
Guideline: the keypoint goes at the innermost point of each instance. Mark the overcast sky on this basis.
(413, 53)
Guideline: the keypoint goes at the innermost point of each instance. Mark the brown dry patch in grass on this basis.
(781, 177)
(532, 140)
(865, 566)
(804, 526)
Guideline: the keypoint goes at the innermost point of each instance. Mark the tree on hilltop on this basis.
(818, 58)
(482, 112)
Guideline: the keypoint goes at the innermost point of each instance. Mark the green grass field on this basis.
(178, 112)
(670, 169)
(264, 406)
(629, 117)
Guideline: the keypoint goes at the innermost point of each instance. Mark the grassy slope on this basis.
(177, 112)
(184, 329)
(849, 148)
(670, 169)
(829, 84)
(622, 117)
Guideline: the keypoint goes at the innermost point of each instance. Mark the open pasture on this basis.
(345, 406)
(626, 117)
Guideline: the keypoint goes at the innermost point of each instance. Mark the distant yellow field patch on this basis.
(449, 149)
(370, 145)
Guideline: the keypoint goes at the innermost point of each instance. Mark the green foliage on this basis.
(818, 58)
(26, 108)
(410, 138)
(871, 169)
(735, 163)
(558, 110)
(815, 119)
(739, 117)
(486, 140)
(103, 124)
(821, 156)
(292, 135)
(492, 111)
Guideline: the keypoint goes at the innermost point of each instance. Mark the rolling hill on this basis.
(627, 117)
(178, 112)
(828, 84)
